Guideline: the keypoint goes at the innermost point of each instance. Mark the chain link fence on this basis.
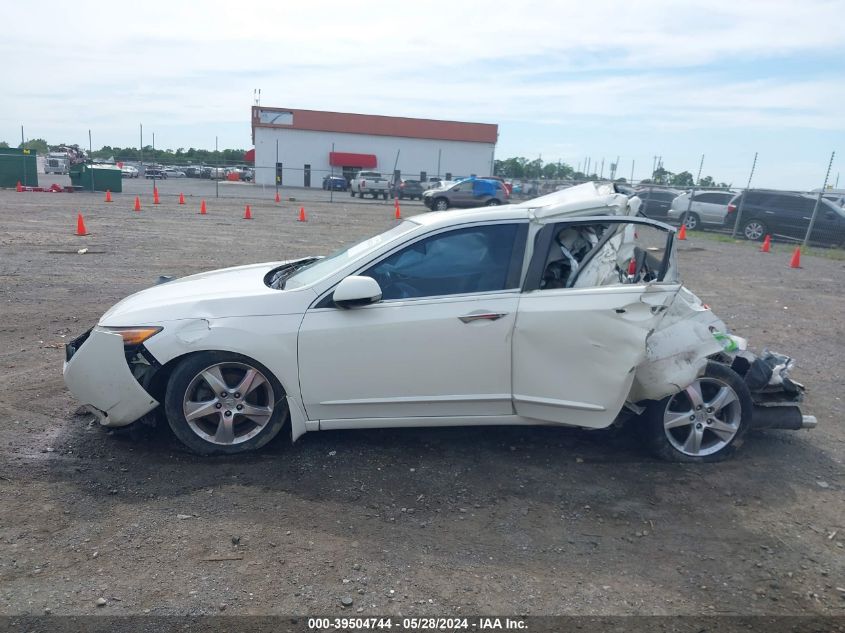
(814, 218)
(804, 217)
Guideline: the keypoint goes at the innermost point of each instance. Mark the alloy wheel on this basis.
(754, 230)
(703, 418)
(228, 403)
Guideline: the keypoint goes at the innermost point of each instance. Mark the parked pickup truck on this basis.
(369, 183)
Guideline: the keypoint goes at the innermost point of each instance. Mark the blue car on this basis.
(338, 183)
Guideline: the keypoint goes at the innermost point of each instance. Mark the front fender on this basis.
(271, 340)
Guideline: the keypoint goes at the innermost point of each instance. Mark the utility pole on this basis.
(141, 150)
(601, 171)
(216, 171)
(22, 139)
(692, 193)
(818, 202)
(91, 158)
(632, 171)
(742, 199)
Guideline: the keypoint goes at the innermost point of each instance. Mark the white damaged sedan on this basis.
(564, 310)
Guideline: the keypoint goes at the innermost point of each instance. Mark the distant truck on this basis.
(369, 183)
(56, 164)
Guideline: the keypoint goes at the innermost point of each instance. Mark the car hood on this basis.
(238, 291)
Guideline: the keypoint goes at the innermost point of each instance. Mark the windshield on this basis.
(326, 266)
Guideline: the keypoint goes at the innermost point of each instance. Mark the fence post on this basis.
(818, 202)
(742, 199)
(692, 191)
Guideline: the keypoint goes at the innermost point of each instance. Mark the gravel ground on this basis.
(435, 521)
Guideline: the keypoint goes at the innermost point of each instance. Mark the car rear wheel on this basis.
(754, 230)
(704, 422)
(441, 204)
(221, 403)
(492, 203)
(691, 221)
(352, 192)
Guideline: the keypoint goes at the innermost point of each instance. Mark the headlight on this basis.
(134, 336)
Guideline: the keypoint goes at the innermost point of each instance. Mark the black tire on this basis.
(352, 192)
(754, 230)
(383, 195)
(440, 204)
(657, 437)
(179, 382)
(692, 221)
(492, 203)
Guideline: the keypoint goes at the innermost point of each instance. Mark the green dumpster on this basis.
(89, 177)
(18, 165)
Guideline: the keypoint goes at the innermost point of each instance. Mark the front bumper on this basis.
(97, 374)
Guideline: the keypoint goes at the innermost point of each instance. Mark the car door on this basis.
(437, 345)
(789, 215)
(458, 194)
(711, 206)
(579, 336)
(827, 227)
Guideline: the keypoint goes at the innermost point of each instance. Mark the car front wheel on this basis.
(221, 403)
(704, 422)
(441, 204)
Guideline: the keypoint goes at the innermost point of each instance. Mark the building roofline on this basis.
(379, 125)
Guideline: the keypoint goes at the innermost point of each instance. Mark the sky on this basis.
(563, 80)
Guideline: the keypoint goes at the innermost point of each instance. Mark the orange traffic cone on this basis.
(302, 214)
(682, 234)
(247, 213)
(18, 187)
(108, 195)
(138, 203)
(181, 198)
(155, 196)
(278, 198)
(80, 226)
(397, 212)
(202, 208)
(767, 244)
(795, 262)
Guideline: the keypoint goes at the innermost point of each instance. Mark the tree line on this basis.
(148, 153)
(521, 168)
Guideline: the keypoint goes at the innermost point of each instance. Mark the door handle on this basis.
(482, 316)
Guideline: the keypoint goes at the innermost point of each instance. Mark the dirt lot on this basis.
(435, 521)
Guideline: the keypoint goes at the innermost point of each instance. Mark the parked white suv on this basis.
(708, 208)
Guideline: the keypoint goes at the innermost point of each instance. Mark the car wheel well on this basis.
(157, 386)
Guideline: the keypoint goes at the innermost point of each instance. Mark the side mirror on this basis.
(356, 291)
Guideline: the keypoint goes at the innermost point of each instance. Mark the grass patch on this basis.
(834, 253)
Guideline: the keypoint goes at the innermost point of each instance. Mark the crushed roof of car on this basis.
(588, 199)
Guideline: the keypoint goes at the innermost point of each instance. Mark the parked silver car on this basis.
(708, 208)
